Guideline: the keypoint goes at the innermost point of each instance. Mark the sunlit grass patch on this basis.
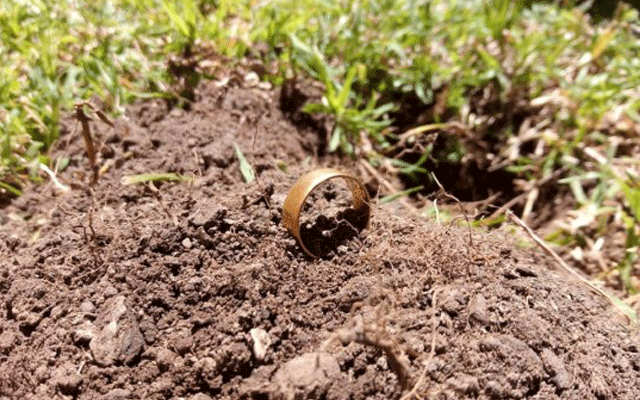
(53, 54)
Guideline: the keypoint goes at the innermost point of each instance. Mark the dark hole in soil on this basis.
(459, 160)
(27, 328)
(469, 179)
(160, 303)
(294, 96)
(325, 235)
(467, 182)
(9, 312)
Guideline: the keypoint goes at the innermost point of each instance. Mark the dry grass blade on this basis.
(103, 117)
(534, 185)
(164, 207)
(389, 187)
(88, 139)
(63, 188)
(617, 303)
(432, 352)
(449, 196)
(372, 335)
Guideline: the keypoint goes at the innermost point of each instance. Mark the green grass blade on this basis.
(343, 97)
(624, 308)
(245, 168)
(144, 178)
(396, 196)
(10, 189)
(633, 197)
(335, 139)
(177, 19)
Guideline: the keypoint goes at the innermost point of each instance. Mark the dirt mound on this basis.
(194, 290)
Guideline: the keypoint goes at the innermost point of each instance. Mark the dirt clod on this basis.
(28, 301)
(556, 369)
(118, 394)
(309, 376)
(67, 380)
(7, 340)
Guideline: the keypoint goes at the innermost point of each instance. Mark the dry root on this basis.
(374, 336)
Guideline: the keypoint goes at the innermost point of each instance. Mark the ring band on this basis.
(306, 184)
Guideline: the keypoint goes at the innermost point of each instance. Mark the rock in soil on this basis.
(118, 338)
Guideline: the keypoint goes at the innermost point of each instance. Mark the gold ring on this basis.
(306, 184)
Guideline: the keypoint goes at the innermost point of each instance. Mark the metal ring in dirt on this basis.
(306, 184)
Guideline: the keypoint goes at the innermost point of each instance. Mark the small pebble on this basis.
(265, 85)
(87, 307)
(310, 373)
(251, 79)
(261, 342)
(165, 359)
(200, 396)
(117, 336)
(186, 243)
(183, 345)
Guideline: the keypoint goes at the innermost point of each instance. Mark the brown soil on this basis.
(195, 291)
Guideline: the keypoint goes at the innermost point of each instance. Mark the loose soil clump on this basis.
(194, 290)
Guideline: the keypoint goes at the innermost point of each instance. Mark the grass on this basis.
(245, 168)
(551, 97)
(159, 177)
(54, 54)
(495, 67)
